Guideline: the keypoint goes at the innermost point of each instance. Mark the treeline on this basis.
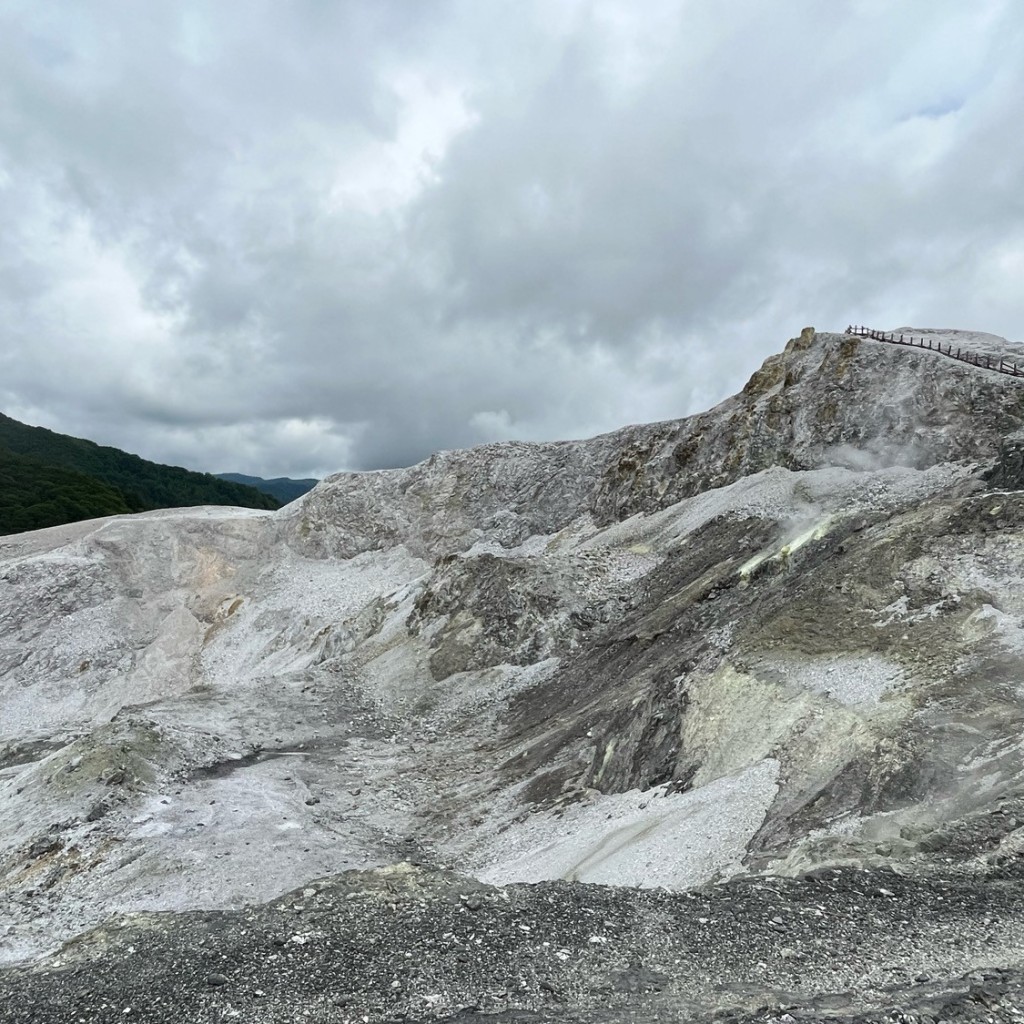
(51, 478)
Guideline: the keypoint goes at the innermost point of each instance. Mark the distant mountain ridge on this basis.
(47, 479)
(284, 488)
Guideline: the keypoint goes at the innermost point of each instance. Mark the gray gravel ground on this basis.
(409, 943)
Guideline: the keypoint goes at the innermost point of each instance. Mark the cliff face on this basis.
(782, 635)
(826, 400)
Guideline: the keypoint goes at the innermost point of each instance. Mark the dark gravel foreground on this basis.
(416, 945)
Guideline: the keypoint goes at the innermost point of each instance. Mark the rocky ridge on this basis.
(774, 647)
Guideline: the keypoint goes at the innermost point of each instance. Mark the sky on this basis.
(296, 238)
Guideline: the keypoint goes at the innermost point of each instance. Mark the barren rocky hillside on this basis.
(754, 676)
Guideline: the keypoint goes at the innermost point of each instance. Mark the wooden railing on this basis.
(964, 355)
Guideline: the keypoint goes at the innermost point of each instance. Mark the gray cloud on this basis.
(327, 236)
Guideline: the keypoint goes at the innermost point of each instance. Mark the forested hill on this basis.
(47, 479)
(34, 495)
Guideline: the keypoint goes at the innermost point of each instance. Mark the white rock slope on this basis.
(782, 633)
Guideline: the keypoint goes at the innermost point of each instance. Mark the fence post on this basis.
(979, 359)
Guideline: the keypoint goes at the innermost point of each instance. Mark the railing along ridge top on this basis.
(964, 355)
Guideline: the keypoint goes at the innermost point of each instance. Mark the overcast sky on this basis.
(290, 238)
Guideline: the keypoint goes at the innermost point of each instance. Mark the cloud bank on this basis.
(298, 238)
